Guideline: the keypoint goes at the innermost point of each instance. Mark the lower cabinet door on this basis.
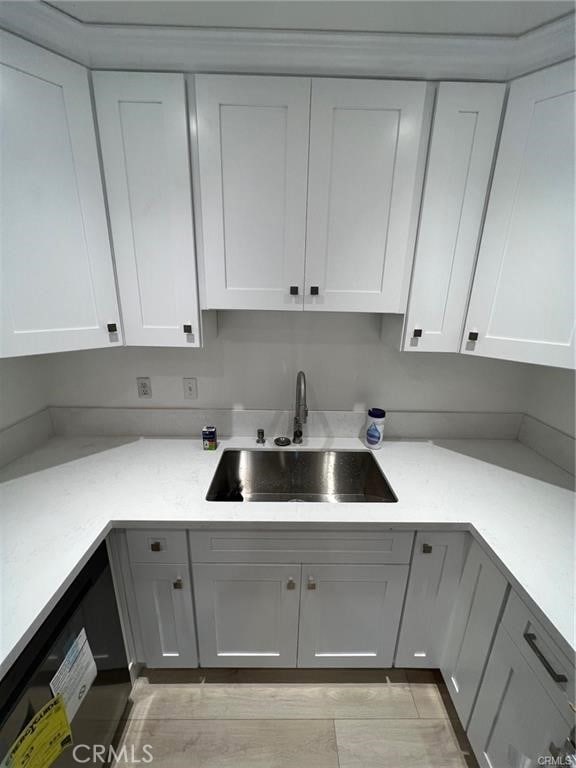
(473, 624)
(515, 723)
(350, 614)
(247, 614)
(164, 602)
(437, 565)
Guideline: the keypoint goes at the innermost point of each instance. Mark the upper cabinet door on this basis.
(522, 303)
(143, 126)
(252, 155)
(367, 152)
(57, 280)
(466, 121)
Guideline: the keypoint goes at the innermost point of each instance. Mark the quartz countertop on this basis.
(59, 502)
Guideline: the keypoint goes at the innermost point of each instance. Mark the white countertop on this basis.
(59, 502)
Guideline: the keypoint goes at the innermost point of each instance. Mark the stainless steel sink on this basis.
(334, 476)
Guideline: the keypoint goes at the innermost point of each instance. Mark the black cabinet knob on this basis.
(314, 290)
(187, 328)
(417, 333)
(293, 290)
(473, 336)
(112, 328)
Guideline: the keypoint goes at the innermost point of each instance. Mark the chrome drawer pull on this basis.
(530, 638)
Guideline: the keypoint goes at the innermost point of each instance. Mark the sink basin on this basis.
(333, 476)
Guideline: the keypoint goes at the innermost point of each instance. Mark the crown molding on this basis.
(431, 57)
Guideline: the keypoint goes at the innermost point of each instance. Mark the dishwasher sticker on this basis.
(75, 675)
(43, 740)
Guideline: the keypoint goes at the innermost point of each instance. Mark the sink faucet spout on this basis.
(301, 408)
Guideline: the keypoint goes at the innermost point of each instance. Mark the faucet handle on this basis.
(260, 439)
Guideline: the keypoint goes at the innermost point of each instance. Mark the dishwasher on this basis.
(84, 627)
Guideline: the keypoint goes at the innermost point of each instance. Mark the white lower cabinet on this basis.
(437, 565)
(475, 616)
(247, 614)
(515, 723)
(164, 606)
(349, 614)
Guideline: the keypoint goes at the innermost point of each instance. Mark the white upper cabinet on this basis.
(522, 303)
(368, 142)
(252, 135)
(466, 121)
(143, 125)
(336, 235)
(57, 280)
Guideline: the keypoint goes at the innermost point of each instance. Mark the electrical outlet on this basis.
(144, 386)
(190, 389)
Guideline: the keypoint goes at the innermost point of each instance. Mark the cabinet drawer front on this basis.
(157, 546)
(514, 722)
(542, 653)
(349, 614)
(247, 614)
(297, 547)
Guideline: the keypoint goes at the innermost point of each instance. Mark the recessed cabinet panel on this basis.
(514, 723)
(356, 547)
(164, 604)
(247, 614)
(143, 126)
(252, 135)
(464, 134)
(437, 565)
(350, 614)
(57, 287)
(522, 303)
(367, 145)
(474, 620)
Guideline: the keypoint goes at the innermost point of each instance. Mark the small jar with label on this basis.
(374, 431)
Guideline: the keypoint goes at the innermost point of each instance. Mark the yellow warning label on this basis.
(43, 740)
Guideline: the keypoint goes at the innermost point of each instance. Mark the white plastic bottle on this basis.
(374, 431)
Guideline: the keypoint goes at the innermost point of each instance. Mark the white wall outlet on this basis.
(144, 386)
(190, 389)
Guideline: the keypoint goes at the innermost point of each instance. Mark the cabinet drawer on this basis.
(298, 547)
(514, 722)
(157, 546)
(538, 647)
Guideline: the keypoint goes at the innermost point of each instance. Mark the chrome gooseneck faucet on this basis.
(301, 408)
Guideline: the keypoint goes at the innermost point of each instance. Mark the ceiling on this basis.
(469, 17)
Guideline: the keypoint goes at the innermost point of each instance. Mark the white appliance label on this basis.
(75, 675)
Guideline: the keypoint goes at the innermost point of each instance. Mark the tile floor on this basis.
(294, 719)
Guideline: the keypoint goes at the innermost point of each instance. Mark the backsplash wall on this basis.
(351, 361)
(253, 362)
(23, 388)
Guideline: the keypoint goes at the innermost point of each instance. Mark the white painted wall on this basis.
(23, 388)
(551, 397)
(254, 360)
(253, 364)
